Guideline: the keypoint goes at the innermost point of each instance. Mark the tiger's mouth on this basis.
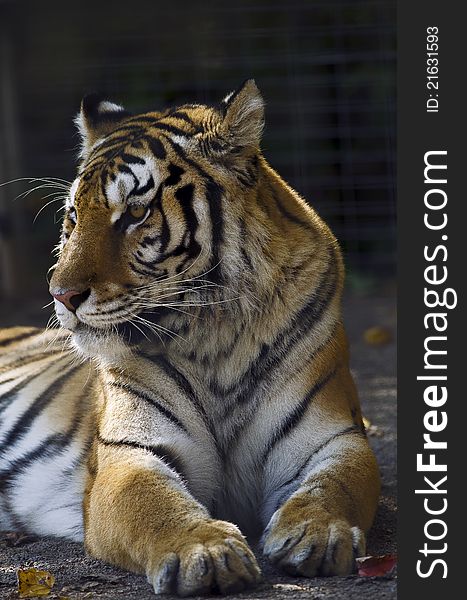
(126, 331)
(110, 345)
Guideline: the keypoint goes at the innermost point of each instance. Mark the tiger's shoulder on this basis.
(23, 348)
(21, 338)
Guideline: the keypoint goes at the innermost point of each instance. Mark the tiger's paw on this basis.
(312, 542)
(211, 557)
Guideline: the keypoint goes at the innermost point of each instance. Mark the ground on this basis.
(78, 576)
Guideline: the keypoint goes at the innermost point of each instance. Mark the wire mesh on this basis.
(326, 70)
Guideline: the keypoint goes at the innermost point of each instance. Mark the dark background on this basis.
(326, 70)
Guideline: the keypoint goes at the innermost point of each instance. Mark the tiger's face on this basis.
(145, 217)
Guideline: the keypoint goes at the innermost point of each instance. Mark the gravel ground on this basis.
(80, 577)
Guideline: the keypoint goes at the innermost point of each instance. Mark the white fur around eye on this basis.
(71, 196)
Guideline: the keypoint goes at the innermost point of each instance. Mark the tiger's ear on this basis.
(97, 118)
(243, 116)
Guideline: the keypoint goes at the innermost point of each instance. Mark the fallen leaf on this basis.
(376, 566)
(33, 583)
(377, 336)
(372, 430)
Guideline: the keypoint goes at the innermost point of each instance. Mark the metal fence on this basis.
(326, 70)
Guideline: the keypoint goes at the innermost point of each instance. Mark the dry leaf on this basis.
(33, 583)
(376, 566)
(377, 336)
(372, 430)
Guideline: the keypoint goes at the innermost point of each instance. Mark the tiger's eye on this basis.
(137, 212)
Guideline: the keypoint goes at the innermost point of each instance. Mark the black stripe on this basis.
(271, 355)
(139, 191)
(244, 176)
(40, 403)
(148, 240)
(110, 311)
(106, 152)
(142, 272)
(131, 159)
(110, 148)
(155, 264)
(143, 396)
(286, 213)
(103, 179)
(183, 383)
(165, 231)
(178, 114)
(156, 146)
(126, 128)
(50, 446)
(175, 174)
(26, 360)
(20, 337)
(177, 376)
(172, 372)
(162, 452)
(180, 152)
(214, 198)
(296, 415)
(171, 129)
(10, 395)
(185, 197)
(127, 171)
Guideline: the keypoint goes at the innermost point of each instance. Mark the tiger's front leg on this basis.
(140, 514)
(320, 528)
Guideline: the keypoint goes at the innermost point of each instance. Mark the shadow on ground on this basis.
(80, 577)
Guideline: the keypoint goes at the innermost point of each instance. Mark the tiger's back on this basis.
(46, 423)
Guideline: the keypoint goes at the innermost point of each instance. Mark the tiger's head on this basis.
(145, 222)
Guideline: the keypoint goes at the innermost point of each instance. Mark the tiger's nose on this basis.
(72, 299)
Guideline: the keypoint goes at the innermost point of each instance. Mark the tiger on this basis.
(196, 402)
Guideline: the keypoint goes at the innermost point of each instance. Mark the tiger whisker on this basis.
(157, 281)
(39, 187)
(169, 332)
(164, 278)
(150, 326)
(58, 181)
(180, 290)
(185, 312)
(45, 206)
(153, 328)
(139, 329)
